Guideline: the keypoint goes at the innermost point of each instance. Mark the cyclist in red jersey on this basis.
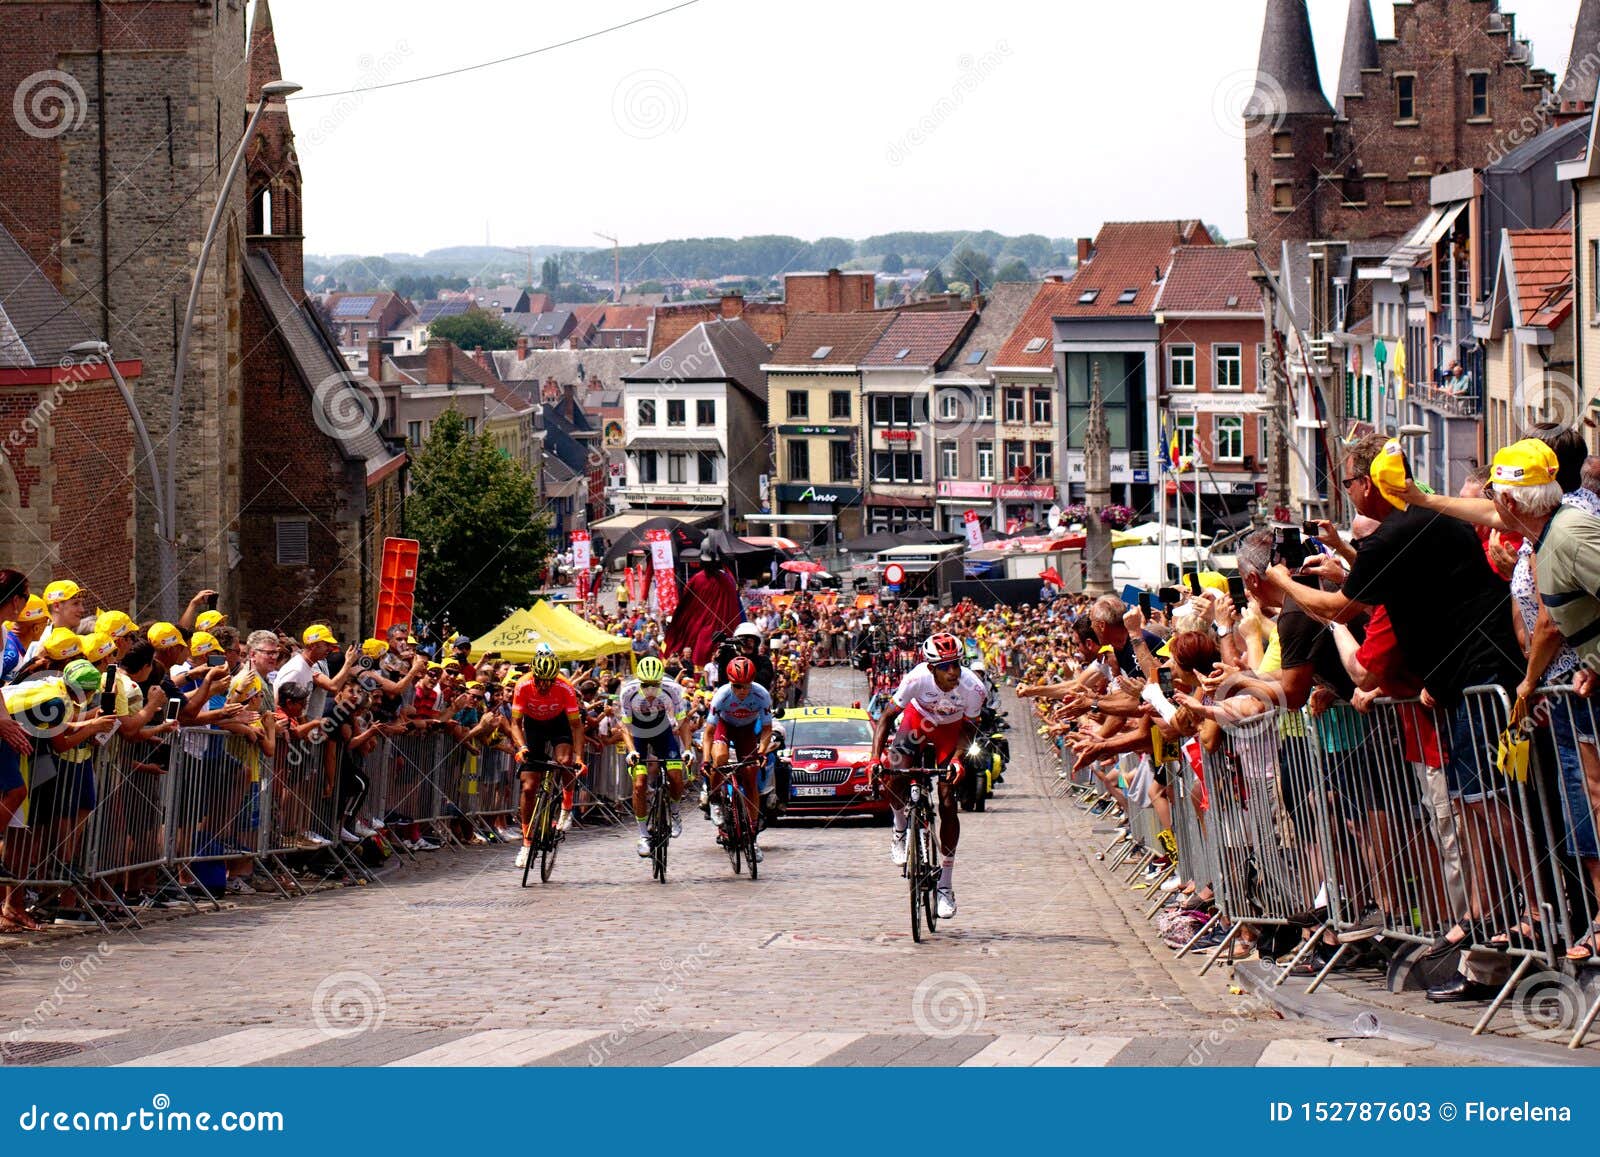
(934, 713)
(546, 724)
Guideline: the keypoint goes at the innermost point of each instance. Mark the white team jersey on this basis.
(938, 707)
(633, 704)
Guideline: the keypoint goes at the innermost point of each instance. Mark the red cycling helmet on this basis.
(741, 671)
(942, 648)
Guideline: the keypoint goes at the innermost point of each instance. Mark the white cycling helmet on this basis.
(747, 631)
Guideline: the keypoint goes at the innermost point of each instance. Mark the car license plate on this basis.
(813, 789)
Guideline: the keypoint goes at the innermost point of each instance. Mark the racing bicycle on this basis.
(739, 837)
(658, 827)
(921, 870)
(545, 836)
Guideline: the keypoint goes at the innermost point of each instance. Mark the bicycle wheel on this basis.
(549, 837)
(733, 829)
(750, 849)
(914, 875)
(660, 836)
(930, 876)
(531, 832)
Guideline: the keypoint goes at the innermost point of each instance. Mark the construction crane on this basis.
(528, 253)
(616, 267)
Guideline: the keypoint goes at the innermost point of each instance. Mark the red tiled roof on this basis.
(626, 317)
(1541, 263)
(848, 337)
(1210, 279)
(1036, 324)
(1129, 256)
(928, 338)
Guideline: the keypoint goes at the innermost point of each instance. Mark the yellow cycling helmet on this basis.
(545, 667)
(651, 670)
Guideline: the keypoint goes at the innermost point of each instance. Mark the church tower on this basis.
(272, 169)
(1287, 122)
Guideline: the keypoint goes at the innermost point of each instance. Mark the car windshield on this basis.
(830, 733)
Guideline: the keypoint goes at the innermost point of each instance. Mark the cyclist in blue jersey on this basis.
(740, 718)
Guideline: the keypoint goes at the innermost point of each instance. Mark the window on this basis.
(647, 412)
(821, 352)
(839, 405)
(1283, 195)
(294, 541)
(677, 469)
(986, 405)
(986, 461)
(1405, 98)
(902, 410)
(1016, 458)
(903, 354)
(1230, 437)
(1014, 407)
(1035, 345)
(891, 410)
(799, 405)
(949, 406)
(1594, 283)
(1088, 296)
(1180, 367)
(1478, 88)
(1127, 296)
(896, 466)
(1184, 427)
(472, 427)
(414, 433)
(648, 467)
(882, 466)
(705, 412)
(1122, 384)
(707, 464)
(799, 460)
(949, 460)
(1043, 408)
(1283, 144)
(1230, 367)
(677, 412)
(1043, 460)
(842, 461)
(976, 357)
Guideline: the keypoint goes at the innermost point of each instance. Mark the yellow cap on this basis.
(61, 591)
(1388, 472)
(474, 685)
(34, 611)
(319, 634)
(248, 684)
(1529, 462)
(209, 620)
(436, 666)
(164, 635)
(1165, 651)
(61, 643)
(98, 646)
(1210, 580)
(202, 644)
(374, 648)
(117, 624)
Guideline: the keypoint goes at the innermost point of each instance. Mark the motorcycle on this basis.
(985, 759)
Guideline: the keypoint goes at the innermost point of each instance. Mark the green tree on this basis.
(972, 266)
(550, 275)
(650, 286)
(893, 263)
(934, 282)
(475, 328)
(476, 513)
(1013, 270)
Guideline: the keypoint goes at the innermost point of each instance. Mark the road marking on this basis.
(62, 1036)
(1315, 1054)
(245, 1047)
(1027, 1049)
(791, 1049)
(500, 1046)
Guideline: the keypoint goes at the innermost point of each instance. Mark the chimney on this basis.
(440, 354)
(834, 291)
(375, 360)
(482, 358)
(522, 347)
(732, 305)
(1085, 249)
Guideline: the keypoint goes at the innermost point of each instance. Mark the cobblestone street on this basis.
(448, 961)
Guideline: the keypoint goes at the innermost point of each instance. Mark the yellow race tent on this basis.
(569, 636)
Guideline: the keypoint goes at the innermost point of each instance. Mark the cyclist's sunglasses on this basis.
(948, 665)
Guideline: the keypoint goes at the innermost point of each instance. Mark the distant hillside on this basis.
(760, 258)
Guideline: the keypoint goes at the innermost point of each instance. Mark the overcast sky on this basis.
(832, 118)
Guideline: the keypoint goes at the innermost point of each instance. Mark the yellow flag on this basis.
(1400, 371)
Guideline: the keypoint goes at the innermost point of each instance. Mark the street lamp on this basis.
(270, 91)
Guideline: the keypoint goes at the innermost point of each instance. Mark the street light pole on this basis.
(169, 591)
(102, 351)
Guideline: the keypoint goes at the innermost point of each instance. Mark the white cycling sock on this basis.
(947, 872)
(901, 819)
(644, 826)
